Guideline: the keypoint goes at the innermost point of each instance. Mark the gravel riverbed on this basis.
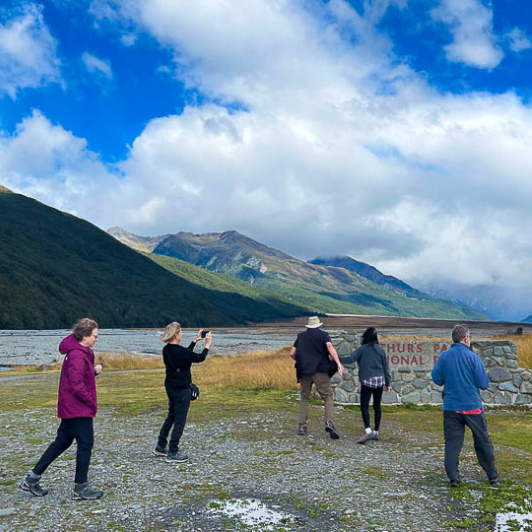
(249, 472)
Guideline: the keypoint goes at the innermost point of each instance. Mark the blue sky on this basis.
(394, 131)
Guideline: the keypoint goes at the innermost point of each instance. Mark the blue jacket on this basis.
(461, 373)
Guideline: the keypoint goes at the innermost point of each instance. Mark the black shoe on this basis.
(85, 492)
(302, 430)
(32, 485)
(494, 482)
(331, 429)
(176, 458)
(455, 483)
(160, 451)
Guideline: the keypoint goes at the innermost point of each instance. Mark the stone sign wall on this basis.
(411, 364)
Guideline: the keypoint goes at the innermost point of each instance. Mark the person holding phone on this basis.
(178, 361)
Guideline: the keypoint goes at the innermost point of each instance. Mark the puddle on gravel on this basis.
(508, 521)
(252, 512)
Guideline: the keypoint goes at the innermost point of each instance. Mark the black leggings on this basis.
(365, 396)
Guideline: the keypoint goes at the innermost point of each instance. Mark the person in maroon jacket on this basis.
(76, 407)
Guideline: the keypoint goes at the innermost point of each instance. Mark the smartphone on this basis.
(204, 333)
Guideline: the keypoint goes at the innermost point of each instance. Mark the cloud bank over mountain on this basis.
(307, 126)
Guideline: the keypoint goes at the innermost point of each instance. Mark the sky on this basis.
(398, 132)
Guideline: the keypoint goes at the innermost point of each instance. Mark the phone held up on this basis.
(204, 333)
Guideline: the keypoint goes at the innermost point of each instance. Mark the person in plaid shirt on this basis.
(375, 378)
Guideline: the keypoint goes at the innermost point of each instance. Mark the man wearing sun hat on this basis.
(314, 353)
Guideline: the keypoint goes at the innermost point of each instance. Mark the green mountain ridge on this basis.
(56, 268)
(320, 288)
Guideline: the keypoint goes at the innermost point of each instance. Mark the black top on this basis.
(312, 354)
(178, 360)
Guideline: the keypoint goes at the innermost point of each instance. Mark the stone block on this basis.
(521, 399)
(435, 397)
(498, 360)
(488, 362)
(348, 386)
(405, 370)
(499, 375)
(487, 397)
(407, 389)
(517, 380)
(502, 398)
(511, 357)
(335, 379)
(512, 364)
(498, 351)
(344, 349)
(397, 386)
(408, 377)
(508, 387)
(487, 352)
(506, 349)
(341, 396)
(526, 375)
(526, 387)
(425, 397)
(390, 398)
(350, 338)
(413, 397)
(419, 384)
(354, 398)
(437, 388)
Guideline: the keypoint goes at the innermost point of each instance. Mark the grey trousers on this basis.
(323, 385)
(454, 428)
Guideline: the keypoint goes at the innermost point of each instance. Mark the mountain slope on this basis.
(55, 268)
(322, 289)
(367, 271)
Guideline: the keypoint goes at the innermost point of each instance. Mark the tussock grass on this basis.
(125, 360)
(524, 348)
(258, 370)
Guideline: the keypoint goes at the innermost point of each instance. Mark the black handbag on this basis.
(194, 392)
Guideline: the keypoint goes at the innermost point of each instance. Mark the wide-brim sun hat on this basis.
(313, 323)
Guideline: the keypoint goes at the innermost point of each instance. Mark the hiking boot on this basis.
(85, 492)
(455, 483)
(494, 482)
(32, 485)
(331, 429)
(159, 451)
(302, 430)
(176, 458)
(373, 436)
(365, 438)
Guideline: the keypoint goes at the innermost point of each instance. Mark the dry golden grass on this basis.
(259, 370)
(128, 361)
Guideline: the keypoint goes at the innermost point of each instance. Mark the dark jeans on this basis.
(365, 396)
(178, 405)
(453, 429)
(79, 429)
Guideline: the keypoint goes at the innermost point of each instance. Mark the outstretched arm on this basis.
(334, 356)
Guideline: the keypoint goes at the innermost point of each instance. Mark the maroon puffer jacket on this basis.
(77, 386)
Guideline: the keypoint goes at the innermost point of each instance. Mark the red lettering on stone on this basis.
(410, 348)
(437, 348)
(404, 360)
(395, 360)
(391, 347)
(400, 348)
(419, 348)
(443, 348)
(435, 358)
(414, 360)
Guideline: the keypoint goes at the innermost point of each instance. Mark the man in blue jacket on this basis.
(461, 373)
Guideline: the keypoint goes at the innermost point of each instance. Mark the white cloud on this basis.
(336, 147)
(96, 66)
(518, 40)
(471, 26)
(27, 51)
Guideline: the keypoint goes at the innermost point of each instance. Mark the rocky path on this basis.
(247, 471)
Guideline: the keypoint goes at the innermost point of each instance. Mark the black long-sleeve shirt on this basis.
(178, 360)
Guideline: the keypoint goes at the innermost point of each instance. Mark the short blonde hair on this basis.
(171, 331)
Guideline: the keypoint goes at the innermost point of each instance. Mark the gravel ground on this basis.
(299, 483)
